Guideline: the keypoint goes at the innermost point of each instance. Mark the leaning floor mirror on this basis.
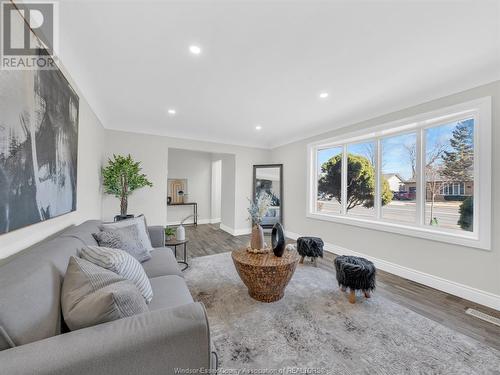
(269, 178)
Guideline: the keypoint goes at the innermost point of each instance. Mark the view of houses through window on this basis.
(394, 162)
(398, 164)
(449, 175)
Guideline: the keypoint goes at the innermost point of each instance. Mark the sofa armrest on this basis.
(156, 342)
(157, 235)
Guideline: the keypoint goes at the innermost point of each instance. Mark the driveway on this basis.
(447, 213)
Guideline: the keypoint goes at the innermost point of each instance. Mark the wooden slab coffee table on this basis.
(265, 275)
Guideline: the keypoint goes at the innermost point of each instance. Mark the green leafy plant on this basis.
(121, 177)
(360, 181)
(458, 161)
(169, 232)
(466, 210)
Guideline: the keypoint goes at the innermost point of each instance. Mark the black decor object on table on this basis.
(355, 273)
(310, 247)
(278, 240)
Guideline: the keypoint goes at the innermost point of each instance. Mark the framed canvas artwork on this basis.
(177, 190)
(38, 147)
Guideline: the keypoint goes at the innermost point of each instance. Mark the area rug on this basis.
(315, 330)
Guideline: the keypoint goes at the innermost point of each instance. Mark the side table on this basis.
(173, 244)
(265, 275)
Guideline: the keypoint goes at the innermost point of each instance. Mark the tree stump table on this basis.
(265, 275)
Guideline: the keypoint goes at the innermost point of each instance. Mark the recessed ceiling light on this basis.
(195, 50)
(258, 127)
(172, 112)
(323, 95)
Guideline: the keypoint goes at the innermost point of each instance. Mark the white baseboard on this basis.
(200, 221)
(215, 221)
(436, 282)
(227, 229)
(235, 232)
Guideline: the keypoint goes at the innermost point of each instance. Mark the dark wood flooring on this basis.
(439, 306)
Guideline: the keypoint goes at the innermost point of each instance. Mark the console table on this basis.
(195, 209)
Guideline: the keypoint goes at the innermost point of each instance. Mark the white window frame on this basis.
(480, 110)
(453, 189)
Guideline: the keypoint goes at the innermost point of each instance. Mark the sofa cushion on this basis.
(5, 340)
(29, 300)
(139, 222)
(83, 232)
(93, 295)
(127, 239)
(57, 252)
(162, 263)
(122, 263)
(169, 291)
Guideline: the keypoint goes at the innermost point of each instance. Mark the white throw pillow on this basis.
(121, 263)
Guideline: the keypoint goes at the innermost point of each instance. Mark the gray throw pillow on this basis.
(127, 239)
(122, 263)
(139, 222)
(92, 295)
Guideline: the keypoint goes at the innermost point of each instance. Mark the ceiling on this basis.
(265, 63)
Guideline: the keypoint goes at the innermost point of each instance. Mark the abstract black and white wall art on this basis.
(38, 147)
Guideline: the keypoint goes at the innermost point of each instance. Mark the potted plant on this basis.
(120, 178)
(169, 233)
(257, 211)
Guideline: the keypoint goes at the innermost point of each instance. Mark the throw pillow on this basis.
(139, 222)
(92, 295)
(127, 239)
(122, 263)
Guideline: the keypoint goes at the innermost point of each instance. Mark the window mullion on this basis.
(378, 179)
(313, 200)
(344, 180)
(420, 177)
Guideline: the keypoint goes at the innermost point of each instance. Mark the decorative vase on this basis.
(123, 217)
(180, 233)
(257, 240)
(278, 240)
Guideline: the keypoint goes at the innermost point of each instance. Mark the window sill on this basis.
(462, 239)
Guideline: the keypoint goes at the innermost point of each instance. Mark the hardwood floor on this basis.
(439, 306)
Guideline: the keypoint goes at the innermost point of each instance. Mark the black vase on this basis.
(123, 217)
(278, 240)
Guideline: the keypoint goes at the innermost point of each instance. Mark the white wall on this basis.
(196, 167)
(471, 272)
(89, 192)
(228, 191)
(216, 193)
(152, 151)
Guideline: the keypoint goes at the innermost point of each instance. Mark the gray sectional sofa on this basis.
(173, 335)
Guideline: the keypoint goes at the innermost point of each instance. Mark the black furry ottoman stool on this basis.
(356, 274)
(310, 247)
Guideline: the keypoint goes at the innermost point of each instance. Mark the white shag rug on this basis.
(314, 328)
